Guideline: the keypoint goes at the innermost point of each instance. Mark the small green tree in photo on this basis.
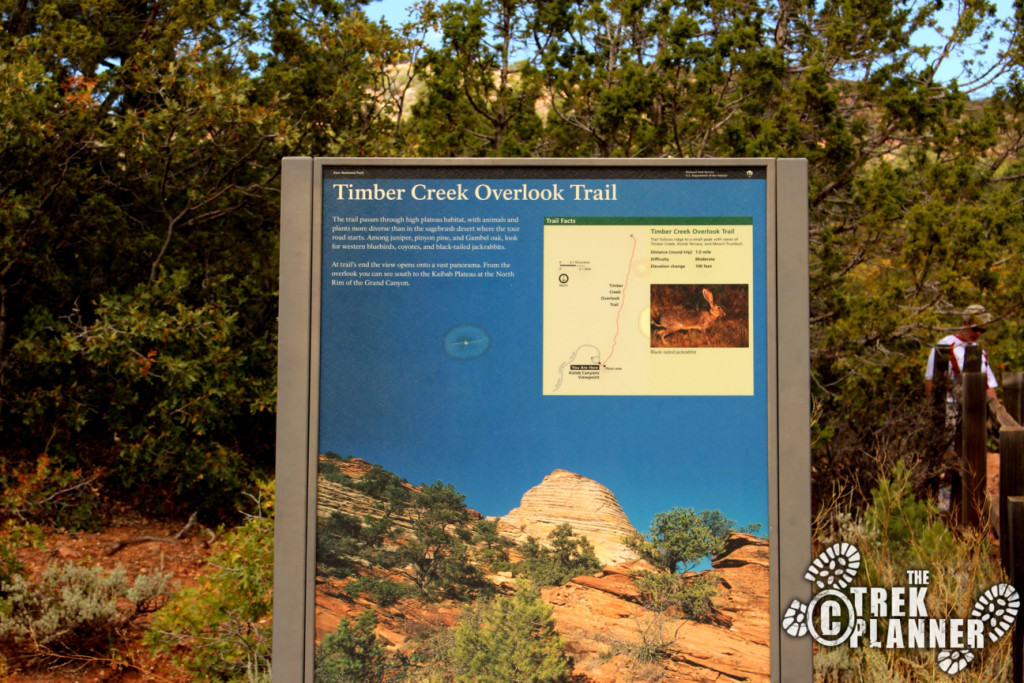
(352, 654)
(492, 547)
(679, 539)
(437, 555)
(677, 542)
(566, 557)
(510, 640)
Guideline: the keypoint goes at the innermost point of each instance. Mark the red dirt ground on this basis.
(182, 558)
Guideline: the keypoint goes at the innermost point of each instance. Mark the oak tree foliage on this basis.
(141, 149)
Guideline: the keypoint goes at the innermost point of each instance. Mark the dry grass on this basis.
(896, 533)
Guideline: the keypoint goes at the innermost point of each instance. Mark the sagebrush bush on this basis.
(220, 629)
(72, 610)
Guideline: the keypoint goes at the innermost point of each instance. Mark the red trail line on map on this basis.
(622, 303)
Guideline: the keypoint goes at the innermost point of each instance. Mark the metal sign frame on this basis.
(302, 285)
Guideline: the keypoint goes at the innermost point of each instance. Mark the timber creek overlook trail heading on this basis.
(481, 192)
(622, 302)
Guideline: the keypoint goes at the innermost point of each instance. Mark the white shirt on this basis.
(958, 349)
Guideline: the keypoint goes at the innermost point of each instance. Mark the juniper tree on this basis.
(509, 640)
(679, 539)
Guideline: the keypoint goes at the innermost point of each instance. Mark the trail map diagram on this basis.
(597, 281)
(597, 308)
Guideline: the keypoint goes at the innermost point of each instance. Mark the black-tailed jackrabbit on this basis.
(677, 319)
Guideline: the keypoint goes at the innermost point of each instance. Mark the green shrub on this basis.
(911, 529)
(223, 623)
(896, 532)
(385, 592)
(491, 547)
(385, 486)
(171, 391)
(74, 610)
(14, 535)
(505, 639)
(436, 556)
(566, 556)
(537, 564)
(341, 537)
(352, 654)
(689, 596)
(509, 640)
(330, 471)
(52, 494)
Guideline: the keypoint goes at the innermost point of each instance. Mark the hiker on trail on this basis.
(975, 321)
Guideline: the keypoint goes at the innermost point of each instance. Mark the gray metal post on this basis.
(292, 422)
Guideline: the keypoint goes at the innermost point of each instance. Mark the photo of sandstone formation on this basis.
(602, 617)
(565, 497)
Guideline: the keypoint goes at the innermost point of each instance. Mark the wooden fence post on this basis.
(972, 358)
(1011, 483)
(1015, 509)
(1013, 386)
(973, 456)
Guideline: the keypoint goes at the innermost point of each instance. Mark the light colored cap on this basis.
(975, 315)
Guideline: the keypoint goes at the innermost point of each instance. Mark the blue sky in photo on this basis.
(389, 393)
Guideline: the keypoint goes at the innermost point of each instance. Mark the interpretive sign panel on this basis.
(476, 353)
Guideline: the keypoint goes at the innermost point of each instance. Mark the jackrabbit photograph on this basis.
(696, 315)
